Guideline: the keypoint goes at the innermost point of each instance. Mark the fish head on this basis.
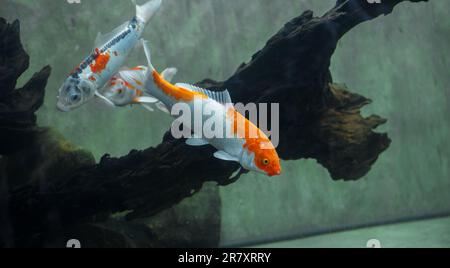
(264, 160)
(73, 93)
(118, 93)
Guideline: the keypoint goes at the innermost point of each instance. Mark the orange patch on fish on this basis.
(139, 93)
(256, 141)
(178, 93)
(244, 128)
(138, 68)
(100, 62)
(139, 83)
(92, 78)
(128, 85)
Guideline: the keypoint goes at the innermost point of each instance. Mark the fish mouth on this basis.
(62, 108)
(275, 173)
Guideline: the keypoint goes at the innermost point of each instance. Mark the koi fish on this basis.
(128, 87)
(253, 152)
(110, 53)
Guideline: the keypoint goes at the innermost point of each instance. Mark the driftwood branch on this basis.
(319, 120)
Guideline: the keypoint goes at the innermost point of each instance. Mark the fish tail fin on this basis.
(146, 11)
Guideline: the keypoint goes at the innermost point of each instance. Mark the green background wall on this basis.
(400, 61)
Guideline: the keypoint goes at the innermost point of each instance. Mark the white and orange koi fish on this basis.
(110, 52)
(127, 87)
(253, 152)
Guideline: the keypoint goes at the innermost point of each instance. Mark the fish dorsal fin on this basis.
(169, 73)
(222, 97)
(103, 39)
(148, 54)
(135, 76)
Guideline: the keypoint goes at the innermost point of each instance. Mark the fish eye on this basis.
(266, 161)
(120, 91)
(75, 97)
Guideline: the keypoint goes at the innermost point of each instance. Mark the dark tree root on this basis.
(318, 119)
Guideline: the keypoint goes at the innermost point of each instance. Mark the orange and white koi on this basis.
(110, 52)
(253, 152)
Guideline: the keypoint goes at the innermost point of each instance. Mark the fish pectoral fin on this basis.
(103, 98)
(147, 107)
(222, 155)
(196, 142)
(146, 100)
(162, 107)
